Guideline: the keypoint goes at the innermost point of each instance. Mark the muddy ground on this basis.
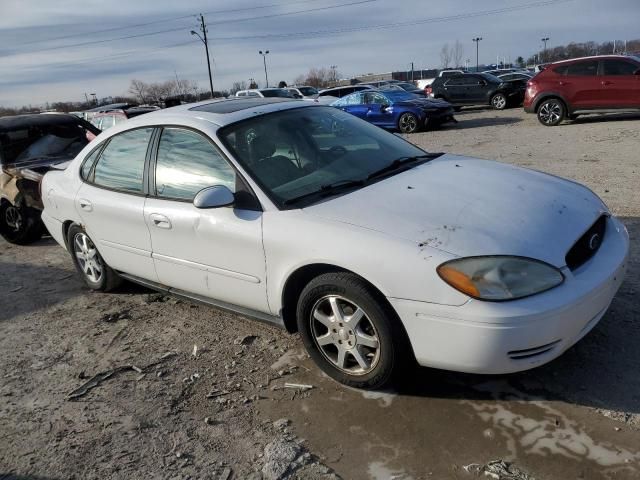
(199, 393)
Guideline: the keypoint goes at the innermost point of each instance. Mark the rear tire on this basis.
(551, 112)
(89, 263)
(350, 334)
(20, 225)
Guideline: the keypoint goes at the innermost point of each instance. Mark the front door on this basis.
(378, 111)
(216, 253)
(620, 87)
(111, 204)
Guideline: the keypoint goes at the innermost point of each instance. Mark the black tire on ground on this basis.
(551, 112)
(19, 224)
(408, 123)
(499, 101)
(89, 263)
(361, 365)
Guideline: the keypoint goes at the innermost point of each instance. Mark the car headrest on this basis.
(262, 147)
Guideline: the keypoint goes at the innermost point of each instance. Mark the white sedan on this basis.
(378, 253)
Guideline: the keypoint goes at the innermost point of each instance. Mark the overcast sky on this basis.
(37, 65)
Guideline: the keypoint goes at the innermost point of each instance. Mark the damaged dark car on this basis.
(30, 146)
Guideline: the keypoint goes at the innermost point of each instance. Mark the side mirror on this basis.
(214, 197)
(384, 107)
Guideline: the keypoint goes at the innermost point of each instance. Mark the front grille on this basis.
(587, 245)
(532, 352)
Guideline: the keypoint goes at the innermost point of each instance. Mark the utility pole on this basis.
(264, 60)
(203, 29)
(412, 71)
(544, 51)
(477, 41)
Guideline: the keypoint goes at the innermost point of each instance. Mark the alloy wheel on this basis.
(13, 218)
(345, 335)
(499, 102)
(87, 255)
(408, 123)
(550, 113)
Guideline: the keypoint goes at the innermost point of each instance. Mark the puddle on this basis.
(379, 471)
(451, 421)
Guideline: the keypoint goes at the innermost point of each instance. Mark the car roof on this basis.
(220, 112)
(594, 57)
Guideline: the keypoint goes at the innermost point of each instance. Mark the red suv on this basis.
(584, 85)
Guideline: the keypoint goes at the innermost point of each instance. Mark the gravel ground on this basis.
(194, 392)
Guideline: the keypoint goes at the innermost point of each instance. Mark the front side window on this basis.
(294, 154)
(583, 69)
(121, 165)
(619, 67)
(187, 162)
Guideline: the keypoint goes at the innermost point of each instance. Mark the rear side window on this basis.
(618, 67)
(458, 81)
(583, 69)
(188, 162)
(87, 165)
(121, 165)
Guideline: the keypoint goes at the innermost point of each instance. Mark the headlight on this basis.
(499, 278)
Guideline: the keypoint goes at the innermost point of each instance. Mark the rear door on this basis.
(620, 87)
(355, 104)
(581, 85)
(455, 89)
(111, 204)
(217, 252)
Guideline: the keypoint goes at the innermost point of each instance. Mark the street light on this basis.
(544, 51)
(203, 27)
(264, 59)
(477, 41)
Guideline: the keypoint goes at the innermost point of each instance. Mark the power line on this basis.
(139, 35)
(165, 20)
(319, 33)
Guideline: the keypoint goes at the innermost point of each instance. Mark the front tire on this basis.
(350, 334)
(551, 112)
(499, 101)
(89, 263)
(20, 225)
(408, 123)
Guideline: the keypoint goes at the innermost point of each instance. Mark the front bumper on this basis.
(505, 337)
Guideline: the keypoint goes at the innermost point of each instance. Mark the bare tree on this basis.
(457, 53)
(445, 56)
(237, 86)
(139, 89)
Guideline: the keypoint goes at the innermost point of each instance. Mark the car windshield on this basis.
(308, 91)
(399, 95)
(276, 92)
(295, 153)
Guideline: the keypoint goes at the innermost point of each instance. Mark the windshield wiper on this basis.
(398, 163)
(327, 190)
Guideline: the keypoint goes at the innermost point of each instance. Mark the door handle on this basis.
(85, 205)
(160, 221)
(563, 83)
(606, 82)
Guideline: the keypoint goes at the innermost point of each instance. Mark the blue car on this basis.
(397, 109)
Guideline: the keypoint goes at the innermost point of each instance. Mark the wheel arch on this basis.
(548, 95)
(300, 277)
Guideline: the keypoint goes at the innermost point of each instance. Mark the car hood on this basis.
(467, 207)
(428, 103)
